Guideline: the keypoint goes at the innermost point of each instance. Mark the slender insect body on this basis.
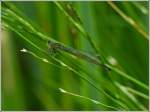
(55, 47)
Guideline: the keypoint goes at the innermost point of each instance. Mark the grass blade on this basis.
(40, 58)
(137, 93)
(128, 77)
(128, 20)
(94, 101)
(140, 7)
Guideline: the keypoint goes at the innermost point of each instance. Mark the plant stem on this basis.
(140, 7)
(40, 58)
(94, 101)
(128, 77)
(137, 93)
(128, 19)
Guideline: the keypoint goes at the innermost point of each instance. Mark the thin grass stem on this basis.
(128, 19)
(123, 74)
(133, 91)
(140, 7)
(40, 58)
(83, 97)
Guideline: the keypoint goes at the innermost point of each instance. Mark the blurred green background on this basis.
(30, 84)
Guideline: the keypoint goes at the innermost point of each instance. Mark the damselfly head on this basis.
(50, 43)
(53, 48)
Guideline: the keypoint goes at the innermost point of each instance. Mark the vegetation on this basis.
(75, 55)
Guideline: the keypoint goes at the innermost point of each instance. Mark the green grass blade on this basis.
(129, 20)
(137, 93)
(40, 58)
(128, 77)
(140, 7)
(94, 101)
(130, 96)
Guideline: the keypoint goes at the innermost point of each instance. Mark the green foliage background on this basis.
(31, 84)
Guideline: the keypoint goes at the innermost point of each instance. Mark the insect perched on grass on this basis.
(55, 48)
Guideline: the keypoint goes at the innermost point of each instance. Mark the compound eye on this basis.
(49, 42)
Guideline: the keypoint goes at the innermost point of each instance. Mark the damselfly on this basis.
(55, 47)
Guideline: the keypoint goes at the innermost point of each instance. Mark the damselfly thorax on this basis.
(53, 47)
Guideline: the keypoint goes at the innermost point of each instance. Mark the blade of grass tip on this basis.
(130, 96)
(140, 7)
(129, 20)
(93, 85)
(79, 27)
(38, 57)
(94, 101)
(138, 93)
(124, 89)
(69, 68)
(12, 29)
(128, 77)
(84, 72)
